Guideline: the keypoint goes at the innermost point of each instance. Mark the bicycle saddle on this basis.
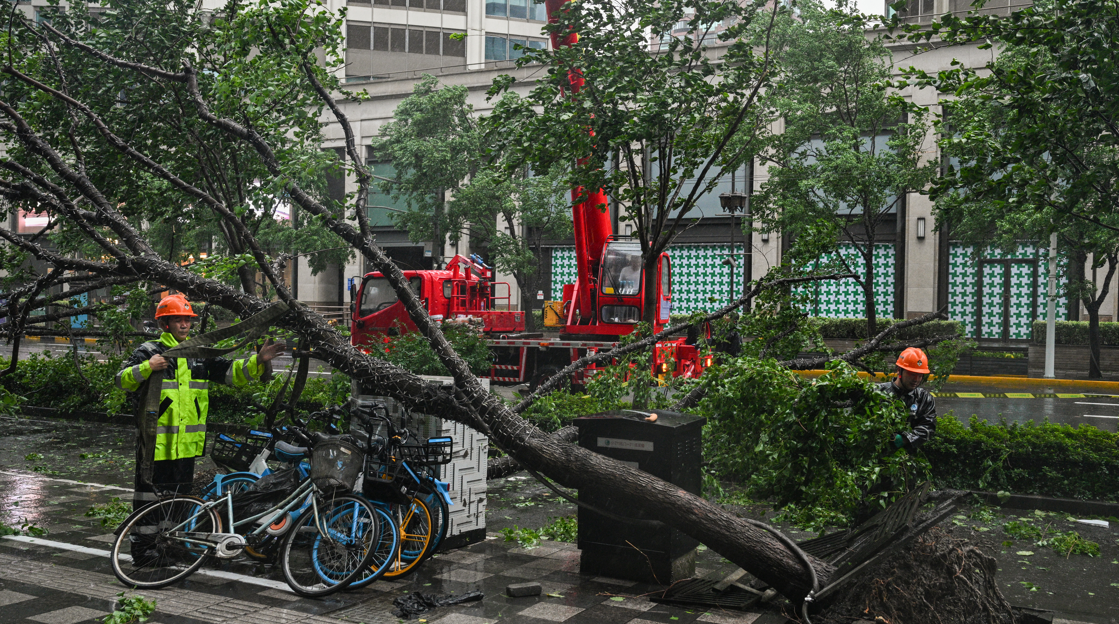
(289, 452)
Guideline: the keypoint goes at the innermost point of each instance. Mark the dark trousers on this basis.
(170, 475)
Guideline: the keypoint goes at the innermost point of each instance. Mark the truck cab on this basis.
(462, 292)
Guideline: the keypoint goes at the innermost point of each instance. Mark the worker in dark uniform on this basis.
(912, 367)
(920, 407)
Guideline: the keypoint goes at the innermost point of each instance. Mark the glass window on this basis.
(416, 4)
(666, 277)
(537, 11)
(357, 36)
(514, 53)
(496, 48)
(454, 6)
(495, 7)
(416, 41)
(397, 40)
(379, 205)
(431, 42)
(381, 38)
(518, 8)
(434, 5)
(399, 3)
(453, 47)
(538, 45)
(620, 314)
(377, 295)
(621, 270)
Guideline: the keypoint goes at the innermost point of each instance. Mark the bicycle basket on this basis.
(387, 482)
(433, 452)
(335, 465)
(237, 453)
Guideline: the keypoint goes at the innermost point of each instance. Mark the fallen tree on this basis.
(77, 105)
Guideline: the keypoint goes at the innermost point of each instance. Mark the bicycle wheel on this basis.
(148, 554)
(321, 558)
(440, 519)
(234, 482)
(414, 521)
(385, 545)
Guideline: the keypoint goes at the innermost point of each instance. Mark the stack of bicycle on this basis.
(347, 509)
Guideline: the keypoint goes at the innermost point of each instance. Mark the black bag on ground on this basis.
(265, 493)
(416, 603)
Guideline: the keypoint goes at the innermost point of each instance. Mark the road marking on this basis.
(39, 476)
(1107, 404)
(1098, 416)
(251, 580)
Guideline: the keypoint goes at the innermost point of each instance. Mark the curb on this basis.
(1109, 387)
(1044, 503)
(60, 340)
(118, 419)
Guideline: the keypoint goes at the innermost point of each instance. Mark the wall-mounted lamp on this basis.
(920, 228)
(765, 237)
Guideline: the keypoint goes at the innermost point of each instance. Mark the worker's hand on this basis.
(270, 351)
(157, 362)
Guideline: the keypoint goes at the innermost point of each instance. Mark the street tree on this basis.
(49, 173)
(851, 150)
(654, 129)
(46, 173)
(510, 217)
(434, 145)
(1034, 132)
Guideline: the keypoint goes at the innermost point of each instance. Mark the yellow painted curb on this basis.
(1111, 387)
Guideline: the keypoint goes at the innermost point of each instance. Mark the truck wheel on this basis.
(542, 375)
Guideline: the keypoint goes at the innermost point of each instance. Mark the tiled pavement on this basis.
(62, 578)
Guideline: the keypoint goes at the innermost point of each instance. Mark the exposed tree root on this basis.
(939, 580)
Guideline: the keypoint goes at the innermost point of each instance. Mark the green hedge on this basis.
(1076, 333)
(1042, 459)
(855, 328)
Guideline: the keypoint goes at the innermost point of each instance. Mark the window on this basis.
(378, 205)
(416, 4)
(454, 6)
(514, 53)
(432, 38)
(537, 11)
(357, 36)
(621, 271)
(397, 40)
(453, 47)
(416, 41)
(377, 295)
(495, 7)
(620, 314)
(381, 38)
(496, 48)
(518, 8)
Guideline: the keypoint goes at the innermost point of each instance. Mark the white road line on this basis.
(1098, 416)
(1107, 404)
(251, 580)
(96, 485)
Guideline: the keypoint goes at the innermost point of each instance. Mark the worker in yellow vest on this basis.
(180, 434)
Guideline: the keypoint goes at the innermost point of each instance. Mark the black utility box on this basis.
(668, 448)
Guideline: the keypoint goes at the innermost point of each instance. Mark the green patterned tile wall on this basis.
(1019, 281)
(699, 279)
(845, 299)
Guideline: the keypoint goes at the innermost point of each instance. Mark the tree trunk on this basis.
(868, 295)
(528, 297)
(1092, 302)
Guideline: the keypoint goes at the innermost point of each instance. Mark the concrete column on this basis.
(476, 34)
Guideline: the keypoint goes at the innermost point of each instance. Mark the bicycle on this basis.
(392, 482)
(326, 547)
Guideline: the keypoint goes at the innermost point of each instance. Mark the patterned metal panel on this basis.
(1028, 284)
(993, 305)
(845, 299)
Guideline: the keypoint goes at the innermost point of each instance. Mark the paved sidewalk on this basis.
(64, 577)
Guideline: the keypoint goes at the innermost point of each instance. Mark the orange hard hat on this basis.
(914, 360)
(174, 305)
